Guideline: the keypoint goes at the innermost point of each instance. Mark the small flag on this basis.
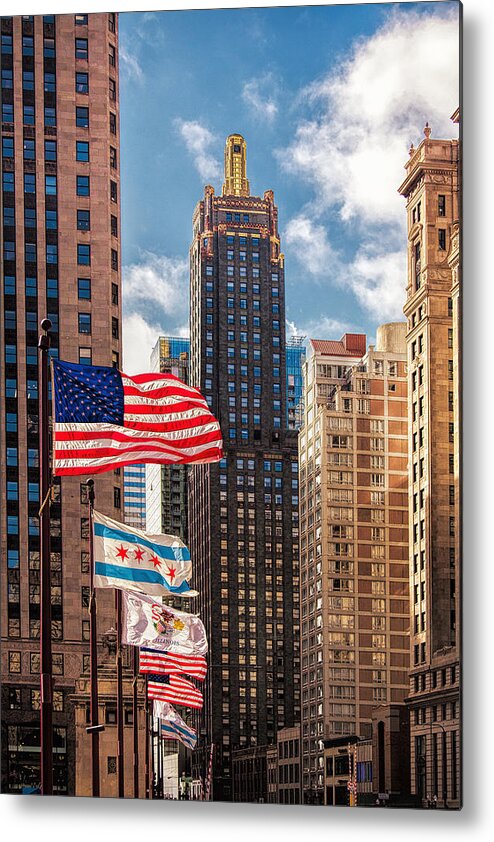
(129, 559)
(105, 419)
(174, 689)
(147, 622)
(152, 660)
(172, 726)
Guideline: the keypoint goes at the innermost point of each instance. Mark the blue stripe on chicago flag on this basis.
(169, 553)
(131, 574)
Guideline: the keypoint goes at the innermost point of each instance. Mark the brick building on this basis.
(433, 311)
(353, 540)
(61, 259)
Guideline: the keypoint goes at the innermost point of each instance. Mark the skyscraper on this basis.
(166, 485)
(243, 512)
(61, 259)
(353, 540)
(295, 359)
(135, 495)
(432, 308)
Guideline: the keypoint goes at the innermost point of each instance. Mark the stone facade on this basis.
(353, 540)
(432, 308)
(60, 135)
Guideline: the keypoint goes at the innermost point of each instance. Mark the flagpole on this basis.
(46, 664)
(93, 650)
(146, 759)
(120, 724)
(135, 721)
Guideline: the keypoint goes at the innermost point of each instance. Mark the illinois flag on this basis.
(147, 622)
(129, 559)
(105, 419)
(172, 726)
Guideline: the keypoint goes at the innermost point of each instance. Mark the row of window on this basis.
(82, 185)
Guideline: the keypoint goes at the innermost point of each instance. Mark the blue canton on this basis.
(88, 394)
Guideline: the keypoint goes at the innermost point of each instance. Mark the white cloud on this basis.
(155, 301)
(197, 140)
(371, 108)
(258, 94)
(378, 281)
(310, 243)
(129, 65)
(139, 338)
(321, 328)
(353, 151)
(159, 282)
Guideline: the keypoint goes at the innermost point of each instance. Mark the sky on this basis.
(329, 100)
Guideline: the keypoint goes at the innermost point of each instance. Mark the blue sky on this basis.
(328, 99)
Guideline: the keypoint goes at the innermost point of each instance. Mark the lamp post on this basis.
(444, 762)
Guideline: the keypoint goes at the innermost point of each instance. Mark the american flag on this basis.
(105, 419)
(174, 689)
(151, 660)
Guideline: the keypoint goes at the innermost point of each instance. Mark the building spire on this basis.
(236, 183)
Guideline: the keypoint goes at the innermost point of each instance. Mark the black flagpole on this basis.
(146, 756)
(120, 723)
(93, 651)
(135, 721)
(46, 676)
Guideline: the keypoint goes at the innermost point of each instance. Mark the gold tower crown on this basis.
(236, 183)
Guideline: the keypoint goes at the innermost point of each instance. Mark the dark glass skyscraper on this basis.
(243, 511)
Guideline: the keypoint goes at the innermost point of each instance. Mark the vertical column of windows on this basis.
(10, 305)
(10, 302)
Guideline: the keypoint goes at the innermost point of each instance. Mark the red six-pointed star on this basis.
(122, 553)
(139, 554)
(155, 560)
(171, 572)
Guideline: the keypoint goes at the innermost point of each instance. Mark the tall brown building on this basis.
(432, 309)
(243, 511)
(353, 541)
(61, 259)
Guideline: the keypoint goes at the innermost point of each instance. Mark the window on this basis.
(51, 251)
(50, 185)
(114, 259)
(114, 226)
(8, 147)
(84, 288)
(113, 122)
(113, 157)
(50, 150)
(28, 115)
(441, 239)
(82, 116)
(49, 47)
(83, 220)
(82, 150)
(14, 662)
(114, 328)
(111, 21)
(114, 293)
(50, 83)
(111, 55)
(81, 51)
(85, 323)
(27, 46)
(113, 191)
(117, 497)
(83, 254)
(80, 20)
(112, 89)
(82, 83)
(82, 185)
(29, 183)
(441, 205)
